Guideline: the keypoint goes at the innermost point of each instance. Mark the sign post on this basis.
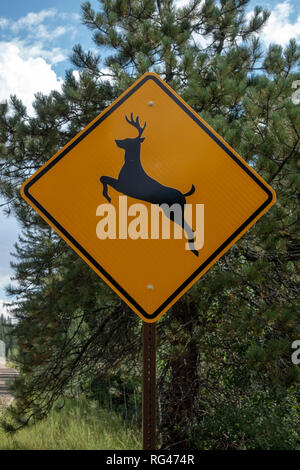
(150, 196)
(149, 386)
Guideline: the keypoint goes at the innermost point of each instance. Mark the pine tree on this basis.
(224, 348)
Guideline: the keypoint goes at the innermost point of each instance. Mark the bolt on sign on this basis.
(149, 195)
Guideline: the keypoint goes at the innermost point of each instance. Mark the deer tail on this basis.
(190, 192)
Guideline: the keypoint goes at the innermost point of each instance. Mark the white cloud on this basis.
(280, 28)
(47, 33)
(76, 75)
(35, 50)
(25, 64)
(6, 309)
(43, 33)
(182, 3)
(282, 25)
(107, 75)
(60, 31)
(24, 75)
(68, 16)
(5, 279)
(33, 25)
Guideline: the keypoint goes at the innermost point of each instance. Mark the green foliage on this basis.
(258, 422)
(79, 425)
(120, 391)
(231, 335)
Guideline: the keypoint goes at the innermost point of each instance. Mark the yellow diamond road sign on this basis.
(108, 191)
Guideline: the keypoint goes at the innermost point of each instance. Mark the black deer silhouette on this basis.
(133, 181)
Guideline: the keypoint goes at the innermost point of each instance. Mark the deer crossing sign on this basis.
(149, 196)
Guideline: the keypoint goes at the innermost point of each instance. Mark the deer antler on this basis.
(136, 124)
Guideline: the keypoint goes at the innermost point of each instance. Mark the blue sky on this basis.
(36, 39)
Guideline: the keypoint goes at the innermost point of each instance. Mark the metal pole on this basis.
(149, 386)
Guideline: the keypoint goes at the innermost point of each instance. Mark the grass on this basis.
(80, 425)
(10, 364)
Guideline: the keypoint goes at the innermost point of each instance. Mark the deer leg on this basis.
(108, 181)
(185, 226)
(189, 232)
(191, 236)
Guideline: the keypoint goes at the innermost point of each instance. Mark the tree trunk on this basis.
(180, 400)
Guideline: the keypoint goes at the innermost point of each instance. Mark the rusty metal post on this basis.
(149, 386)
